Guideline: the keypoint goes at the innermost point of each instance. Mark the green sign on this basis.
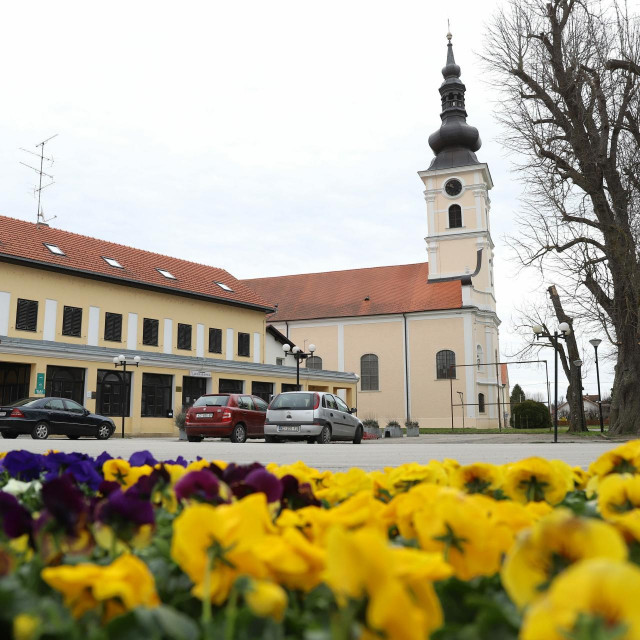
(40, 383)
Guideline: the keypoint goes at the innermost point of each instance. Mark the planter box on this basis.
(393, 432)
(372, 433)
(182, 434)
(413, 432)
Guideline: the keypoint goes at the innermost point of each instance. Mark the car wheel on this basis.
(357, 439)
(72, 437)
(239, 434)
(324, 437)
(104, 431)
(40, 431)
(9, 435)
(194, 438)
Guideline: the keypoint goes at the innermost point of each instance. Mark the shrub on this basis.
(411, 423)
(530, 415)
(180, 419)
(393, 423)
(372, 423)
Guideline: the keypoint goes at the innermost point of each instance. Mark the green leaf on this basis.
(160, 623)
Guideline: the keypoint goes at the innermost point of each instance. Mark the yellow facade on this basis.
(46, 349)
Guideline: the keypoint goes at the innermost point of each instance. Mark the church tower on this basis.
(456, 184)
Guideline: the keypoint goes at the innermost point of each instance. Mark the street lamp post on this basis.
(596, 343)
(121, 361)
(299, 355)
(539, 332)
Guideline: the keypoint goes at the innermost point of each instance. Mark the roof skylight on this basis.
(54, 249)
(112, 262)
(166, 274)
(224, 286)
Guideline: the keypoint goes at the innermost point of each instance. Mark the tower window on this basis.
(481, 402)
(455, 216)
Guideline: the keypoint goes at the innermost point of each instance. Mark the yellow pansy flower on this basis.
(116, 470)
(302, 472)
(605, 591)
(408, 475)
(480, 477)
(25, 627)
(555, 542)
(618, 494)
(266, 599)
(342, 485)
(124, 584)
(536, 479)
(625, 458)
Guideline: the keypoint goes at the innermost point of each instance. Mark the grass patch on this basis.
(509, 430)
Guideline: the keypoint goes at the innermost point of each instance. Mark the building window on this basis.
(263, 390)
(112, 390)
(369, 372)
(215, 340)
(150, 332)
(184, 336)
(481, 402)
(286, 386)
(478, 356)
(280, 362)
(14, 382)
(445, 364)
(455, 216)
(156, 395)
(65, 382)
(113, 327)
(71, 321)
(314, 362)
(230, 386)
(243, 344)
(27, 315)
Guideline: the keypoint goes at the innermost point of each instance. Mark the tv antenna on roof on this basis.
(40, 218)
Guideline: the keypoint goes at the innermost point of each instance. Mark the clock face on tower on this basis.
(453, 187)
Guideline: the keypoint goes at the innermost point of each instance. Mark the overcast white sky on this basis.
(264, 138)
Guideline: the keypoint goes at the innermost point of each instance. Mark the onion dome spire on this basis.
(455, 142)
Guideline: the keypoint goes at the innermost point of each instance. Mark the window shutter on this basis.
(27, 315)
(184, 336)
(71, 321)
(113, 326)
(215, 340)
(243, 344)
(150, 332)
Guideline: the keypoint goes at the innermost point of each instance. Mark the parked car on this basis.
(41, 417)
(313, 416)
(236, 416)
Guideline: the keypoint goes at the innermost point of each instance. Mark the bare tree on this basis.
(569, 72)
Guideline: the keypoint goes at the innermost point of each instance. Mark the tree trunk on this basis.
(577, 422)
(625, 401)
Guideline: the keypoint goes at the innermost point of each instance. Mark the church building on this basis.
(423, 338)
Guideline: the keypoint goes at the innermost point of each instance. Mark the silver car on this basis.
(314, 416)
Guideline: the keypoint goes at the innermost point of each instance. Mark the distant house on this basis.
(590, 408)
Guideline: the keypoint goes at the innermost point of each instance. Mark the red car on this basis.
(226, 415)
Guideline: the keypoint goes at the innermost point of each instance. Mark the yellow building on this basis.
(423, 337)
(69, 304)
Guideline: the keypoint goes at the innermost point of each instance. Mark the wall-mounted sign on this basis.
(200, 374)
(39, 383)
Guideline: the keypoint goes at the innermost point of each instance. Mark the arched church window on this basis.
(445, 364)
(314, 362)
(481, 402)
(455, 216)
(369, 372)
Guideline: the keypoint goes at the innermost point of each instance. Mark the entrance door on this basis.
(65, 382)
(192, 389)
(14, 382)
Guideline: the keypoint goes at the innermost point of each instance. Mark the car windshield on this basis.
(211, 401)
(24, 402)
(294, 401)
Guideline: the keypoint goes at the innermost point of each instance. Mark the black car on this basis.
(43, 416)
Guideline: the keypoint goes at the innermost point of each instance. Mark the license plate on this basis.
(288, 428)
(204, 415)
(3, 413)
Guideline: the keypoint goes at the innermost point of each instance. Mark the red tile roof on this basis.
(22, 242)
(395, 289)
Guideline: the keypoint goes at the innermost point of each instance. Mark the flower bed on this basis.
(107, 548)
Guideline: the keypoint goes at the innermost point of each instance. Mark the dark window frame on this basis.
(185, 332)
(72, 321)
(369, 372)
(215, 340)
(455, 216)
(481, 403)
(445, 365)
(112, 327)
(150, 332)
(157, 389)
(244, 344)
(27, 315)
(314, 362)
(111, 387)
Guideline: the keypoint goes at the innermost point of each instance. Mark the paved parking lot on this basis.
(371, 454)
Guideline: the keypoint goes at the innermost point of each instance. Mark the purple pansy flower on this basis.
(16, 520)
(23, 465)
(140, 458)
(201, 485)
(262, 480)
(64, 502)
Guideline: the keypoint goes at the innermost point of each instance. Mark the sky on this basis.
(263, 138)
